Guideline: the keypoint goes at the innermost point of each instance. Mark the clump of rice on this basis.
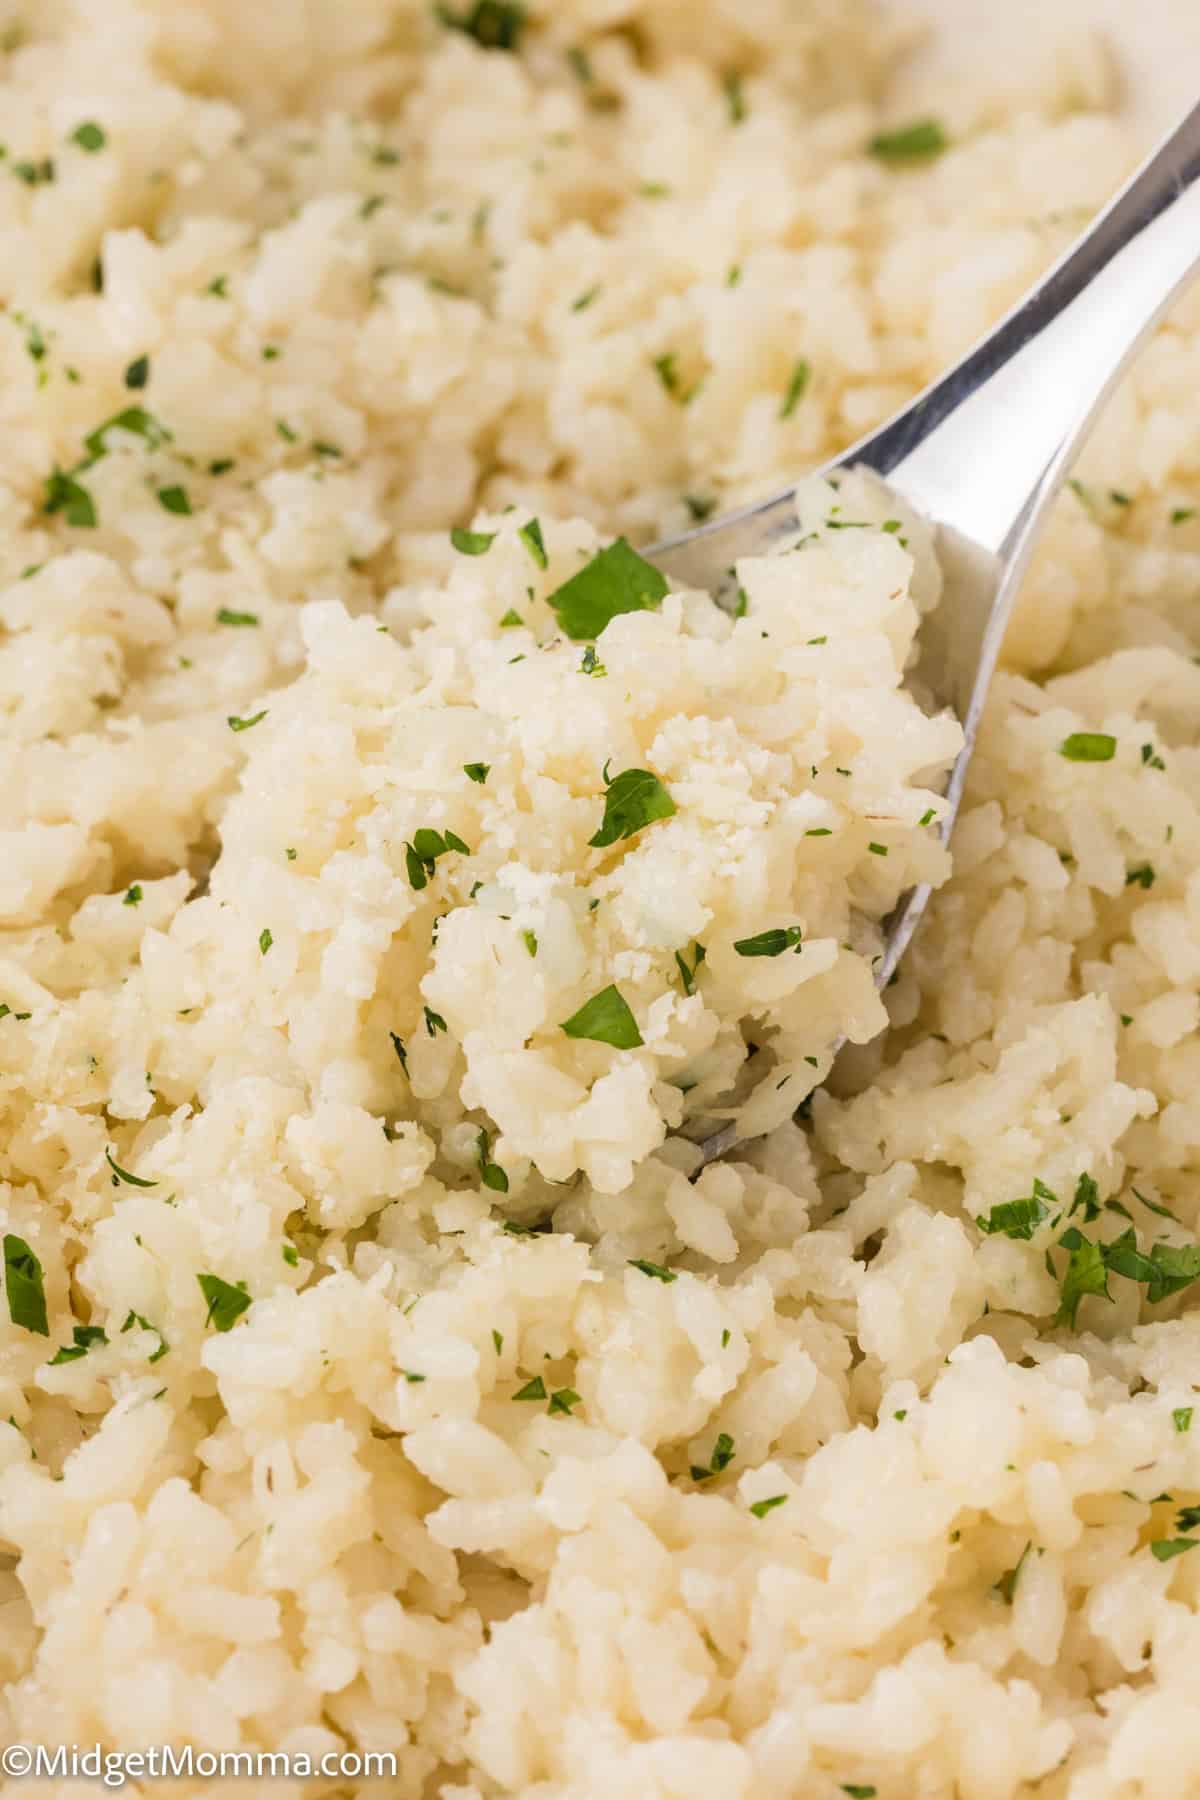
(396, 1388)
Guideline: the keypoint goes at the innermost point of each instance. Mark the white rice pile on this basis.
(375, 1376)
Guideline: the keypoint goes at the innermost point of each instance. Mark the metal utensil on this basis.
(982, 453)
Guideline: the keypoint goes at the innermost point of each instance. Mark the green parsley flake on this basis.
(132, 419)
(529, 939)
(533, 1390)
(236, 724)
(89, 137)
(562, 1400)
(735, 99)
(531, 536)
(700, 506)
(490, 1173)
(616, 580)
(66, 495)
(477, 771)
(1165, 1549)
(590, 663)
(915, 143)
(688, 975)
(497, 1341)
(494, 24)
(175, 500)
(1017, 1219)
(265, 940)
(1142, 877)
(1181, 514)
(797, 387)
(877, 849)
(85, 1338)
(137, 375)
(225, 1304)
(584, 300)
(133, 896)
(135, 1320)
(1181, 1418)
(1006, 1587)
(24, 1287)
(771, 943)
(605, 1019)
(857, 1791)
(290, 1254)
(434, 1021)
(1086, 1273)
(654, 1270)
(1088, 746)
(511, 617)
(421, 855)
(472, 543)
(632, 800)
(760, 1508)
(227, 616)
(401, 1052)
(120, 1175)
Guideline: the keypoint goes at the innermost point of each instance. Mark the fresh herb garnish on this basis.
(137, 375)
(477, 771)
(688, 976)
(89, 136)
(1142, 877)
(227, 616)
(401, 1052)
(511, 617)
(175, 500)
(472, 543)
(225, 1304)
(133, 896)
(1164, 1549)
(133, 1319)
(265, 940)
(529, 939)
(562, 1400)
(1006, 1587)
(655, 1270)
(590, 663)
(66, 495)
(1088, 746)
(617, 580)
(84, 1336)
(915, 143)
(796, 389)
(133, 419)
(531, 536)
(1017, 1219)
(1181, 1418)
(421, 855)
(120, 1175)
(735, 99)
(236, 724)
(760, 1508)
(605, 1019)
(434, 1021)
(771, 943)
(632, 800)
(533, 1390)
(24, 1286)
(494, 24)
(490, 1173)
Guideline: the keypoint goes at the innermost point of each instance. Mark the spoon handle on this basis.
(986, 447)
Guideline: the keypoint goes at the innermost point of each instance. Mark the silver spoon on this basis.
(983, 452)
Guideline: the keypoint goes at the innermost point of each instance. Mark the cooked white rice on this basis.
(493, 1440)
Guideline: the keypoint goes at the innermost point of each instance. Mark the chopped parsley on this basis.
(137, 375)
(1006, 1587)
(434, 1021)
(722, 1456)
(531, 536)
(760, 1508)
(1181, 1418)
(133, 1319)
(529, 939)
(1086, 1273)
(1181, 514)
(915, 143)
(1143, 876)
(590, 663)
(84, 1338)
(632, 800)
(490, 1173)
(472, 543)
(290, 1254)
(605, 1019)
(511, 617)
(477, 771)
(654, 1270)
(175, 500)
(1165, 1549)
(584, 300)
(227, 616)
(89, 137)
(1150, 757)
(533, 1390)
(401, 1052)
(497, 1341)
(24, 1286)
(771, 943)
(1086, 1198)
(667, 372)
(133, 419)
(1017, 1219)
(133, 896)
(858, 1791)
(735, 99)
(120, 1175)
(688, 975)
(616, 580)
(563, 1399)
(35, 174)
(494, 24)
(421, 855)
(236, 724)
(877, 849)
(225, 1304)
(265, 940)
(796, 389)
(1088, 746)
(66, 495)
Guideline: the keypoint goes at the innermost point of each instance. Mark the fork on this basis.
(982, 453)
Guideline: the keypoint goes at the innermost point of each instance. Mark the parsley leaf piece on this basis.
(760, 1508)
(89, 136)
(1181, 514)
(236, 724)
(915, 143)
(1175, 1267)
(688, 976)
(120, 1175)
(655, 1270)
(700, 506)
(797, 387)
(477, 771)
(24, 1287)
(1086, 1273)
(434, 1022)
(1142, 877)
(494, 24)
(227, 616)
(735, 98)
(291, 1255)
(562, 1400)
(1017, 1219)
(84, 1337)
(605, 1019)
(175, 500)
(265, 940)
(497, 1341)
(133, 896)
(1006, 1587)
(1181, 1418)
(138, 373)
(531, 536)
(66, 495)
(490, 1173)
(225, 1304)
(529, 939)
(857, 1790)
(1164, 1549)
(472, 543)
(135, 1318)
(1087, 1196)
(133, 419)
(511, 617)
(617, 580)
(770, 943)
(401, 1052)
(632, 800)
(723, 1453)
(1088, 746)
(533, 1390)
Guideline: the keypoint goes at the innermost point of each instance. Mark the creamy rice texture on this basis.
(334, 344)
